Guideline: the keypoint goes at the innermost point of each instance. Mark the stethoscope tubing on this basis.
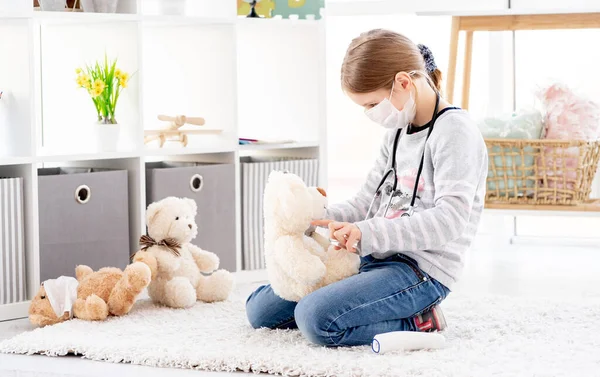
(392, 170)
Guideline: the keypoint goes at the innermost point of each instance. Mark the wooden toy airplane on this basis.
(172, 132)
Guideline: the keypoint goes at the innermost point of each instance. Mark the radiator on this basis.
(12, 250)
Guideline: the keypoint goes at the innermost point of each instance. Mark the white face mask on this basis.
(386, 114)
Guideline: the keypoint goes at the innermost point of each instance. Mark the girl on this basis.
(413, 219)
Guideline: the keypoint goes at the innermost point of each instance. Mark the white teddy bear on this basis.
(296, 263)
(176, 264)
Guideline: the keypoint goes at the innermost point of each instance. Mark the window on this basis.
(549, 55)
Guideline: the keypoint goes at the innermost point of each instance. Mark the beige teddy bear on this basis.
(177, 265)
(92, 296)
(298, 264)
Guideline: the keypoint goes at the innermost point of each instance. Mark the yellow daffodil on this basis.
(99, 84)
(118, 73)
(97, 88)
(96, 91)
(83, 81)
(123, 79)
(78, 71)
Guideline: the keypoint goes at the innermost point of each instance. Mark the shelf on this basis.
(7, 160)
(14, 311)
(267, 147)
(15, 15)
(150, 20)
(590, 208)
(158, 20)
(179, 151)
(152, 152)
(276, 21)
(185, 63)
(82, 17)
(87, 156)
(69, 17)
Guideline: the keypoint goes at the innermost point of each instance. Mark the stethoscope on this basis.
(393, 173)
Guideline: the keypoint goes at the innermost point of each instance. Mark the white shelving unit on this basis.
(249, 78)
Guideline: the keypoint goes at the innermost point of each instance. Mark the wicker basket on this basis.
(548, 172)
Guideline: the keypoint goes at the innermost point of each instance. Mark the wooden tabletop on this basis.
(590, 206)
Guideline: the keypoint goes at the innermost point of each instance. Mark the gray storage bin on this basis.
(255, 172)
(84, 219)
(212, 186)
(12, 246)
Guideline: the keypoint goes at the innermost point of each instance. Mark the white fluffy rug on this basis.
(497, 336)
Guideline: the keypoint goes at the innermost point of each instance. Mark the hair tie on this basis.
(428, 57)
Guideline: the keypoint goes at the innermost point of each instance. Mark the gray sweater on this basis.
(449, 203)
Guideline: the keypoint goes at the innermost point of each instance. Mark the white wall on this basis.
(278, 80)
(15, 105)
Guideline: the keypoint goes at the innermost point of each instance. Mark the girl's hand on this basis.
(347, 234)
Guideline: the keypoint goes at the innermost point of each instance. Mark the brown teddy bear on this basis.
(93, 296)
(179, 267)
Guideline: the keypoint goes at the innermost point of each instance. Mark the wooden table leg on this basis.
(467, 70)
(451, 77)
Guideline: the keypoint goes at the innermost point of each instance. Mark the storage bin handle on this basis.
(196, 182)
(83, 194)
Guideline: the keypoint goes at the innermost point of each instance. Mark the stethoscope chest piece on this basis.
(409, 212)
(400, 201)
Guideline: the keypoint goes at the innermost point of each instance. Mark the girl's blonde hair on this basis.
(375, 57)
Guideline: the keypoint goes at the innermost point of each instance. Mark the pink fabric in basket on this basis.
(568, 116)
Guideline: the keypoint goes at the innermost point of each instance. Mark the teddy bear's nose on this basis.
(190, 226)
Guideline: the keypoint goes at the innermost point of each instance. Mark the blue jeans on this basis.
(385, 296)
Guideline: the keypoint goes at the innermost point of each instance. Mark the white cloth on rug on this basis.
(62, 293)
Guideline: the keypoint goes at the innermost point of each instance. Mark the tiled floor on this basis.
(491, 269)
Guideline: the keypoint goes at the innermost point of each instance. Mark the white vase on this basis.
(99, 6)
(107, 137)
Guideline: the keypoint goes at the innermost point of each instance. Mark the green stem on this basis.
(97, 109)
(114, 105)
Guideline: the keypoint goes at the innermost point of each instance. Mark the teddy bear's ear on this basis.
(153, 210)
(192, 204)
(82, 271)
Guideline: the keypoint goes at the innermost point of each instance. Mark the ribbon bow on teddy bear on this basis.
(170, 243)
